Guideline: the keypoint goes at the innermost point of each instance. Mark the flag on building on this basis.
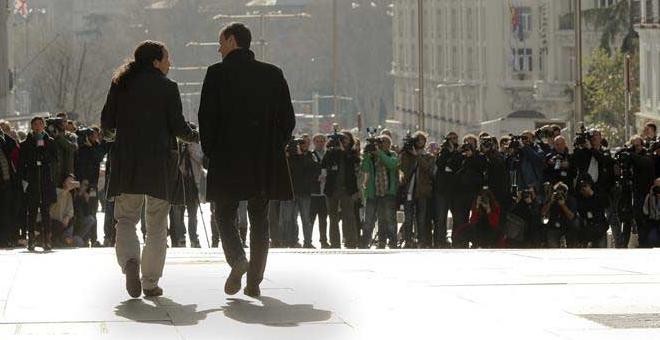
(21, 7)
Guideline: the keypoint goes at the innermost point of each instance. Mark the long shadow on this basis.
(273, 312)
(164, 311)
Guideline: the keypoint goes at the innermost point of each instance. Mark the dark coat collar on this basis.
(239, 54)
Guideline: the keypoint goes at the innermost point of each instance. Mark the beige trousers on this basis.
(128, 208)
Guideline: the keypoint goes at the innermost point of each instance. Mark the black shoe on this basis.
(214, 244)
(252, 291)
(233, 283)
(195, 244)
(153, 292)
(132, 272)
(324, 245)
(308, 246)
(381, 245)
(96, 244)
(295, 245)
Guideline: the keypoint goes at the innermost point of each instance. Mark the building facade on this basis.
(490, 65)
(649, 61)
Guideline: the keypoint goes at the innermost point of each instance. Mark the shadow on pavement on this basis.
(273, 312)
(163, 311)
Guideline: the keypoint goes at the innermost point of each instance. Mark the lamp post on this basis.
(577, 114)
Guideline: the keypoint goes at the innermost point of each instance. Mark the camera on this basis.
(556, 161)
(558, 195)
(293, 145)
(373, 142)
(334, 139)
(516, 142)
(656, 190)
(408, 142)
(582, 137)
(526, 194)
(543, 132)
(486, 142)
(55, 126)
(83, 133)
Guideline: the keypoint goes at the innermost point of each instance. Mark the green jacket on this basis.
(391, 162)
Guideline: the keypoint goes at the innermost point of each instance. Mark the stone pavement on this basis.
(445, 294)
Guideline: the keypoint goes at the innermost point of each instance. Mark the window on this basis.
(521, 21)
(522, 59)
(603, 3)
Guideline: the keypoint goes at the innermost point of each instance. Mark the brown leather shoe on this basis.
(252, 291)
(153, 292)
(133, 284)
(233, 283)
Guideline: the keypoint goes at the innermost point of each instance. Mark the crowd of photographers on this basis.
(519, 191)
(51, 187)
(523, 191)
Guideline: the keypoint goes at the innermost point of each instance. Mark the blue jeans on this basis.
(289, 211)
(384, 209)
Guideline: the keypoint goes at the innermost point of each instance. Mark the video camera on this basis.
(408, 142)
(373, 142)
(543, 132)
(582, 137)
(55, 126)
(83, 133)
(334, 139)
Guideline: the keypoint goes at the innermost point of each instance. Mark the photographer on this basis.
(189, 173)
(469, 182)
(380, 169)
(642, 168)
(87, 162)
(529, 231)
(495, 170)
(38, 156)
(62, 213)
(560, 210)
(341, 162)
(483, 230)
(318, 205)
(651, 211)
(64, 164)
(9, 190)
(444, 187)
(416, 189)
(558, 166)
(531, 163)
(591, 211)
(303, 167)
(592, 158)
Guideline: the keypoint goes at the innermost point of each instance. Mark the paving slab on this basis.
(317, 294)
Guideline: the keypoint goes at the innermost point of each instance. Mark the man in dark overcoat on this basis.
(246, 119)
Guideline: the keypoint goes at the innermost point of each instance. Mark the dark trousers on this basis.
(43, 209)
(94, 205)
(6, 220)
(274, 221)
(442, 208)
(259, 235)
(416, 222)
(215, 231)
(319, 208)
(346, 203)
(643, 228)
(109, 232)
(177, 221)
